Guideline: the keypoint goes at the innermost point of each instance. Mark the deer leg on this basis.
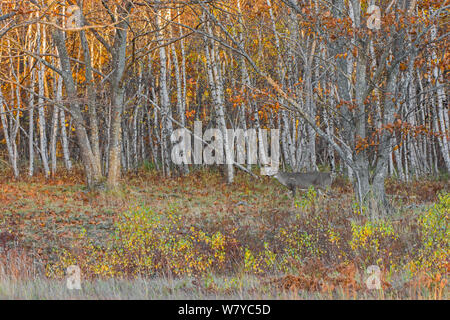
(293, 197)
(327, 191)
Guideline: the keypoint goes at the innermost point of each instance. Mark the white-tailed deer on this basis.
(293, 180)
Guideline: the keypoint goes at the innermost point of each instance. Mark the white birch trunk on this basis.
(41, 109)
(216, 85)
(54, 131)
(167, 128)
(442, 114)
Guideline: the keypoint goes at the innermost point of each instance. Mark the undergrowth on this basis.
(316, 245)
(197, 227)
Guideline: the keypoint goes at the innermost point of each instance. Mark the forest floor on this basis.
(245, 240)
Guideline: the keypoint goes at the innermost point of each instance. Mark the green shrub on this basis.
(146, 243)
(434, 237)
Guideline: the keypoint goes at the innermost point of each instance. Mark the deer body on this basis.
(293, 180)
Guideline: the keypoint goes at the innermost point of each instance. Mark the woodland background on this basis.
(108, 90)
(91, 91)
